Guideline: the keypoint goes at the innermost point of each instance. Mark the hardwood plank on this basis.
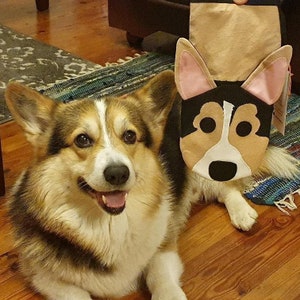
(80, 27)
(280, 285)
(16, 152)
(238, 262)
(220, 262)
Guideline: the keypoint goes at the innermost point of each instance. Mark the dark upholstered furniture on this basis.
(140, 18)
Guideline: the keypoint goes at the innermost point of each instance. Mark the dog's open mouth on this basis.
(112, 202)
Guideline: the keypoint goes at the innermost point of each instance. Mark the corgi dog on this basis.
(99, 210)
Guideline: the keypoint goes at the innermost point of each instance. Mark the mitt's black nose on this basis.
(116, 174)
(222, 170)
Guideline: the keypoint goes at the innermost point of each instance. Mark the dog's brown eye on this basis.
(129, 137)
(83, 141)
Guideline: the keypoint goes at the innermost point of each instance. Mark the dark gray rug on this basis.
(38, 65)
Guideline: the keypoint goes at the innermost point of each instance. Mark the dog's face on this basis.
(101, 144)
(225, 129)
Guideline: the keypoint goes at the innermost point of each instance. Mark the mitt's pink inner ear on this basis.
(192, 78)
(267, 85)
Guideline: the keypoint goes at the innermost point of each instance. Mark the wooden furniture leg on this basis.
(42, 4)
(2, 183)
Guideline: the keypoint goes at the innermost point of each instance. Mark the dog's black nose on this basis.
(116, 174)
(222, 170)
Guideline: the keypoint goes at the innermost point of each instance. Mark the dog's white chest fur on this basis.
(134, 245)
(128, 242)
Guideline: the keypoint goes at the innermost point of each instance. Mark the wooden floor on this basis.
(220, 262)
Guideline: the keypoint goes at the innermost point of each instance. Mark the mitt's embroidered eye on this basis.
(208, 125)
(243, 128)
(83, 141)
(129, 137)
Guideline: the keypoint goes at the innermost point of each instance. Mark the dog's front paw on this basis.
(243, 217)
(174, 293)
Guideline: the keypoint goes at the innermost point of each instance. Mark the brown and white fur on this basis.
(100, 207)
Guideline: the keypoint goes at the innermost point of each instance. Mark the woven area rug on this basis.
(38, 65)
(114, 80)
(92, 81)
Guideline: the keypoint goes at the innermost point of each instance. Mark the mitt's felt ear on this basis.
(266, 82)
(191, 73)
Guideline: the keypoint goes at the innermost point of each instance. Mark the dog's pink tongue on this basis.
(114, 199)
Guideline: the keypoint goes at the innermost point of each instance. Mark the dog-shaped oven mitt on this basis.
(229, 75)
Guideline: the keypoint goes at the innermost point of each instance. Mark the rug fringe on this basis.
(288, 202)
(126, 59)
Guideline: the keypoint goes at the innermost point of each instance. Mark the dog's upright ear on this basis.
(31, 110)
(157, 98)
(158, 95)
